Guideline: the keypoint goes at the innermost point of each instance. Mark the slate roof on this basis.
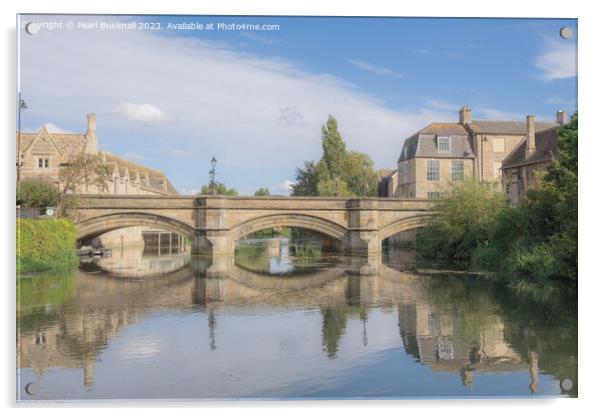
(506, 127)
(424, 142)
(545, 148)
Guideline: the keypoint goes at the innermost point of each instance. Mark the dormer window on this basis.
(443, 143)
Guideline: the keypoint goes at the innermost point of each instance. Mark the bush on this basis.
(462, 221)
(47, 244)
(36, 194)
(534, 263)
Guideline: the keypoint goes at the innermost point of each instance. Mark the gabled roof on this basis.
(424, 142)
(546, 142)
(506, 127)
(29, 139)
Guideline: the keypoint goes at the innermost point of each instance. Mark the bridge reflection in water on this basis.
(366, 308)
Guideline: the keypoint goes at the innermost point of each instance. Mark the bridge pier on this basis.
(362, 243)
(213, 243)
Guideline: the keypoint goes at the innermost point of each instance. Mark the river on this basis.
(286, 321)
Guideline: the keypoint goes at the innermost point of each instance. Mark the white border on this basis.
(591, 149)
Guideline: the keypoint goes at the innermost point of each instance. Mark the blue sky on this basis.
(171, 99)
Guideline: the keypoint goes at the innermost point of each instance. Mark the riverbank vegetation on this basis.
(339, 172)
(534, 241)
(45, 244)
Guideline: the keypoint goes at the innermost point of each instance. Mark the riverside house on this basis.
(443, 152)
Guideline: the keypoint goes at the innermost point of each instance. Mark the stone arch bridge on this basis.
(215, 223)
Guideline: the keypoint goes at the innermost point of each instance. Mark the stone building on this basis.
(387, 183)
(42, 154)
(526, 164)
(443, 152)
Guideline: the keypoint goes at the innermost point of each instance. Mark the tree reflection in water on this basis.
(452, 324)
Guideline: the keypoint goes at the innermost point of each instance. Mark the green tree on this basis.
(333, 147)
(36, 194)
(359, 174)
(549, 213)
(84, 173)
(306, 180)
(220, 189)
(262, 192)
(339, 172)
(460, 221)
(334, 187)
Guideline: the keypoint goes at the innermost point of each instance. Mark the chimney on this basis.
(562, 117)
(465, 115)
(90, 146)
(530, 142)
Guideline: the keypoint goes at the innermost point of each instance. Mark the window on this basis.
(115, 184)
(433, 195)
(127, 185)
(443, 143)
(457, 170)
(432, 170)
(405, 170)
(43, 163)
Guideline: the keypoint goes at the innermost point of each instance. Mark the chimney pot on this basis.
(465, 115)
(91, 145)
(562, 117)
(91, 122)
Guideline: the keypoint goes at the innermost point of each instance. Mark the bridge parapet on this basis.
(215, 223)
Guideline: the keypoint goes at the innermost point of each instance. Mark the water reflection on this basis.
(277, 325)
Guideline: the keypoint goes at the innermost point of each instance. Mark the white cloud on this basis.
(146, 113)
(375, 69)
(53, 128)
(283, 188)
(558, 60)
(253, 113)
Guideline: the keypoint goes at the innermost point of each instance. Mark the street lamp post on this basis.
(22, 106)
(212, 176)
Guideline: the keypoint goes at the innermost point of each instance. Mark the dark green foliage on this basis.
(37, 194)
(47, 244)
(306, 180)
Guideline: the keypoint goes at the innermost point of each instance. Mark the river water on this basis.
(286, 321)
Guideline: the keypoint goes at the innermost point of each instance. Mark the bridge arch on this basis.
(94, 227)
(309, 222)
(396, 227)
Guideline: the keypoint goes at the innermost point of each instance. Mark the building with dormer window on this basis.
(451, 152)
(42, 154)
